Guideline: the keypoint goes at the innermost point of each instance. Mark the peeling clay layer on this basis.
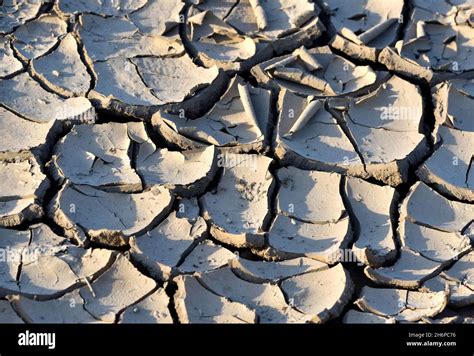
(80, 209)
(238, 210)
(45, 266)
(373, 24)
(239, 34)
(239, 121)
(371, 206)
(236, 161)
(356, 136)
(363, 30)
(316, 71)
(449, 168)
(21, 202)
(437, 41)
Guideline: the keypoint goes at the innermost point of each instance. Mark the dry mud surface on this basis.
(236, 161)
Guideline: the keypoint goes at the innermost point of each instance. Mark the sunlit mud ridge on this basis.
(236, 161)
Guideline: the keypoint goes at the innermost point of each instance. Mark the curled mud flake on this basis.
(9, 64)
(453, 101)
(409, 271)
(267, 300)
(309, 196)
(63, 70)
(460, 295)
(68, 309)
(321, 295)
(38, 37)
(402, 305)
(162, 249)
(363, 34)
(271, 20)
(26, 98)
(449, 168)
(21, 192)
(462, 271)
(319, 144)
(152, 309)
(118, 79)
(187, 173)
(239, 121)
(373, 24)
(12, 245)
(103, 7)
(290, 238)
(196, 304)
(206, 256)
(50, 265)
(105, 38)
(96, 155)
(158, 17)
(318, 72)
(273, 272)
(17, 13)
(371, 207)
(239, 208)
(148, 82)
(444, 214)
(117, 289)
(237, 35)
(356, 317)
(439, 36)
(434, 244)
(216, 41)
(378, 121)
(108, 218)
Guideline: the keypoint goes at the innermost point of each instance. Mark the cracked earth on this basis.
(236, 161)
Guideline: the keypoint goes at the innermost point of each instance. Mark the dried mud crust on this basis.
(236, 161)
